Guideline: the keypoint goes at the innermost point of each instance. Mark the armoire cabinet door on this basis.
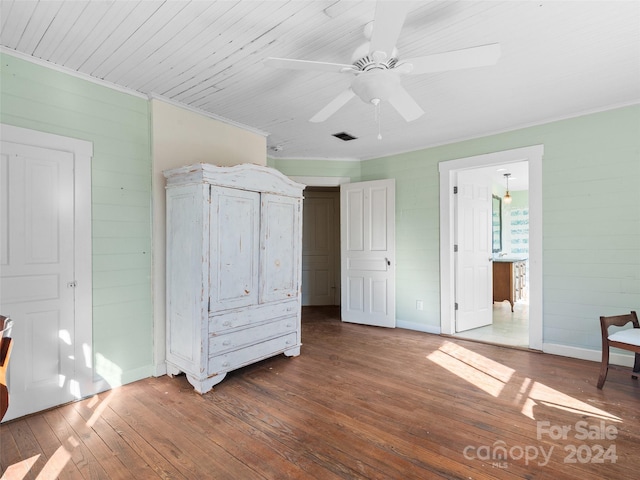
(280, 247)
(234, 248)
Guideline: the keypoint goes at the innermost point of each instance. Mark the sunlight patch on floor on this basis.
(497, 380)
(57, 462)
(19, 470)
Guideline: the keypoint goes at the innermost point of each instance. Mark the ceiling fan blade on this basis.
(387, 23)
(456, 59)
(405, 104)
(333, 106)
(306, 65)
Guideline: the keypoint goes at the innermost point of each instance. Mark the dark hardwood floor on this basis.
(359, 403)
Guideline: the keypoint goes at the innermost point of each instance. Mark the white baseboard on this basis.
(622, 359)
(420, 327)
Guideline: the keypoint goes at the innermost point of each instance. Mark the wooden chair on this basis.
(5, 353)
(628, 339)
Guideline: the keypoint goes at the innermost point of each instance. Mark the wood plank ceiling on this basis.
(558, 59)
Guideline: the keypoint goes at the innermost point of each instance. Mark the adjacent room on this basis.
(254, 239)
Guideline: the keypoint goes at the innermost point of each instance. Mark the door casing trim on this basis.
(448, 172)
(82, 152)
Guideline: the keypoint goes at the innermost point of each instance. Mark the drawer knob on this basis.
(289, 325)
(227, 323)
(225, 364)
(288, 342)
(226, 342)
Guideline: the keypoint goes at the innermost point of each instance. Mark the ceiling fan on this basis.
(377, 69)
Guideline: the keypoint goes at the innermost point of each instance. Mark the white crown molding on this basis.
(475, 137)
(129, 91)
(138, 94)
(69, 71)
(582, 113)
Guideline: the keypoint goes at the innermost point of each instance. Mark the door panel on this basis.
(280, 262)
(235, 241)
(37, 278)
(474, 273)
(368, 252)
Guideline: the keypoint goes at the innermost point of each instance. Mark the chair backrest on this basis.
(5, 354)
(5, 337)
(618, 321)
(6, 323)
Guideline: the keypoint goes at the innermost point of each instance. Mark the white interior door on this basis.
(320, 246)
(474, 269)
(37, 274)
(367, 252)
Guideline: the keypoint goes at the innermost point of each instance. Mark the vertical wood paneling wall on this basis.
(43, 99)
(591, 210)
(591, 220)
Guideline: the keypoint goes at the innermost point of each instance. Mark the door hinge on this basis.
(455, 247)
(455, 190)
(209, 305)
(455, 306)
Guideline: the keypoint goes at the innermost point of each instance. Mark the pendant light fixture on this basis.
(507, 196)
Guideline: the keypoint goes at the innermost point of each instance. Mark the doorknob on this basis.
(388, 261)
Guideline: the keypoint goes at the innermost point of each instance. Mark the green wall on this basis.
(591, 209)
(117, 124)
(591, 220)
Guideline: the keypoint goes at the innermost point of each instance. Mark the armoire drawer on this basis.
(233, 340)
(244, 356)
(251, 315)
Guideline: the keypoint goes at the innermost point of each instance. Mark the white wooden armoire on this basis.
(234, 252)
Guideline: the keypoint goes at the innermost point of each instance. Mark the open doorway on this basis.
(448, 177)
(320, 187)
(321, 246)
(509, 260)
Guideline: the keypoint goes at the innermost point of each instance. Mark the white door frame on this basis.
(448, 171)
(82, 152)
(317, 181)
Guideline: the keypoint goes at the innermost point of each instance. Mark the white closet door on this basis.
(37, 275)
(280, 246)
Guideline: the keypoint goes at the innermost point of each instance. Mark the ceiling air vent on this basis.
(344, 136)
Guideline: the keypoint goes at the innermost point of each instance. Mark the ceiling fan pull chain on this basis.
(379, 118)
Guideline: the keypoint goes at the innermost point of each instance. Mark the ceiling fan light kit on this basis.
(377, 68)
(376, 85)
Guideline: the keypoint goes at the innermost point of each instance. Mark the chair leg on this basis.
(604, 366)
(636, 367)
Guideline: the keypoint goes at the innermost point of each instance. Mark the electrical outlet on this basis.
(419, 305)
